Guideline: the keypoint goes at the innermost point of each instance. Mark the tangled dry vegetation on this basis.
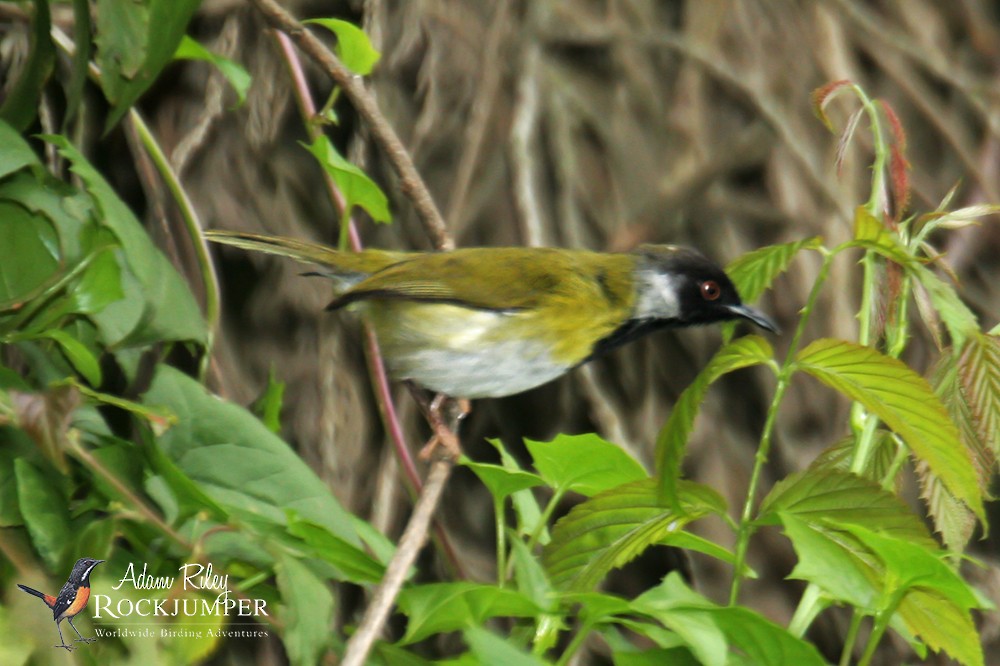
(599, 124)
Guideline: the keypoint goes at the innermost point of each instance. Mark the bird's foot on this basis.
(68, 648)
(81, 639)
(444, 415)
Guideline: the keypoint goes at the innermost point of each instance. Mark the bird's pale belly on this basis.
(461, 352)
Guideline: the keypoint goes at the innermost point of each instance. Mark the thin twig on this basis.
(376, 364)
(411, 184)
(409, 546)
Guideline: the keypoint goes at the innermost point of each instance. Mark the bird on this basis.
(495, 321)
(72, 598)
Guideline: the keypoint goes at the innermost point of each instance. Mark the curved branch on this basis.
(411, 184)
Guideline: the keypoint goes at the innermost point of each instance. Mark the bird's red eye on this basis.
(710, 290)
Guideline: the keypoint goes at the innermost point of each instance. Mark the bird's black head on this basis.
(82, 569)
(682, 286)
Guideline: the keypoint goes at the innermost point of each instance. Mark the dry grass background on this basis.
(598, 124)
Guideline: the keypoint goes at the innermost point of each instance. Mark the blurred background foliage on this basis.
(578, 123)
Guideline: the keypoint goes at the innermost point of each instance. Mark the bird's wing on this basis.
(499, 279)
(65, 599)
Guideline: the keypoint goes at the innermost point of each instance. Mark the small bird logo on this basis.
(72, 598)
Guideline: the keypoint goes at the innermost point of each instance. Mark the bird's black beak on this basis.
(754, 315)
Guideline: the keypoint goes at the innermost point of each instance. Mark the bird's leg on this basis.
(81, 638)
(444, 414)
(62, 641)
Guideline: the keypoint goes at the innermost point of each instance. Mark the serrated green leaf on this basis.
(238, 77)
(904, 401)
(43, 508)
(819, 495)
(353, 46)
(441, 607)
(307, 611)
(672, 439)
(956, 315)
(909, 565)
(754, 272)
(823, 561)
(952, 518)
(586, 464)
(358, 189)
(942, 625)
(979, 373)
(614, 527)
(746, 632)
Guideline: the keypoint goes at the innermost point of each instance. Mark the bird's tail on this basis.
(32, 591)
(348, 268)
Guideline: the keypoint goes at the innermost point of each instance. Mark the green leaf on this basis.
(905, 401)
(952, 518)
(672, 440)
(760, 640)
(238, 77)
(358, 189)
(15, 153)
(529, 514)
(169, 311)
(354, 48)
(979, 373)
(942, 625)
(614, 527)
(818, 495)
(698, 630)
(43, 508)
(354, 564)
(30, 260)
(237, 461)
(910, 565)
(81, 59)
(957, 317)
(307, 611)
(100, 285)
(135, 40)
(585, 464)
(492, 649)
(754, 272)
(268, 406)
(440, 607)
(78, 354)
(822, 560)
(501, 481)
(20, 106)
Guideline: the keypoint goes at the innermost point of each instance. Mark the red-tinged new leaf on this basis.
(846, 136)
(898, 165)
(823, 95)
(904, 401)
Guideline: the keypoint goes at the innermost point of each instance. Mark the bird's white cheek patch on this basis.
(658, 300)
